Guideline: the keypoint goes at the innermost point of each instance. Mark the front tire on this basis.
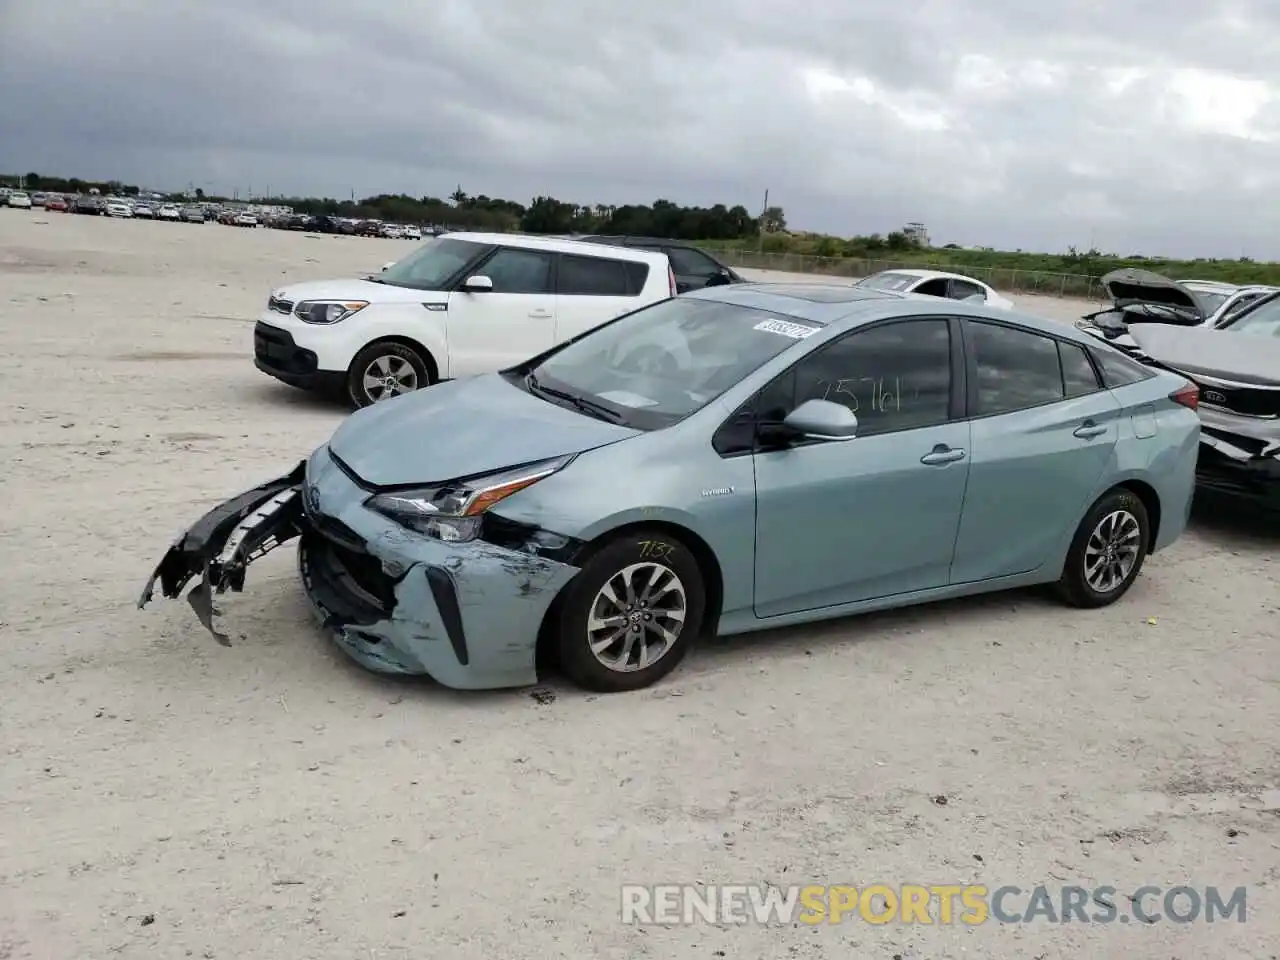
(1107, 551)
(383, 370)
(632, 613)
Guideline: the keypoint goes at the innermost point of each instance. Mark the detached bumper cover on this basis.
(221, 545)
(465, 614)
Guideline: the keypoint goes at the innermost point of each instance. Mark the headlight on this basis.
(327, 311)
(453, 511)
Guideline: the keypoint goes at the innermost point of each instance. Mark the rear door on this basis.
(498, 328)
(591, 290)
(1044, 430)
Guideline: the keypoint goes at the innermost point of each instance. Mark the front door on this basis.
(515, 320)
(1044, 430)
(876, 516)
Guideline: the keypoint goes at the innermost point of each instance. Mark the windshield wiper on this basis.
(589, 407)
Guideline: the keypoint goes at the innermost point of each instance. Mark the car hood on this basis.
(1220, 354)
(1130, 287)
(353, 289)
(463, 428)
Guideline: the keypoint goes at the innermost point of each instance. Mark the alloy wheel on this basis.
(1112, 551)
(389, 376)
(636, 617)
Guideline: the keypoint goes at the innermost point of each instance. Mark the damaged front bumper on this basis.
(1239, 457)
(466, 614)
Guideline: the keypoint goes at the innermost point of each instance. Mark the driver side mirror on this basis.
(815, 420)
(477, 284)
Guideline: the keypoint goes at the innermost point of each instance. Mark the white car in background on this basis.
(412, 233)
(936, 283)
(459, 305)
(168, 211)
(246, 220)
(117, 208)
(1222, 300)
(20, 201)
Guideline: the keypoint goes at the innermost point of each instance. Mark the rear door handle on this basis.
(940, 455)
(540, 314)
(1088, 430)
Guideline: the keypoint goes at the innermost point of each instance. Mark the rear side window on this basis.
(637, 275)
(593, 277)
(1078, 376)
(1118, 370)
(1016, 369)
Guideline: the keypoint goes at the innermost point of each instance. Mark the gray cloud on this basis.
(996, 122)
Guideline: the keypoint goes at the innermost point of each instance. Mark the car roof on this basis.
(636, 238)
(851, 306)
(560, 245)
(924, 274)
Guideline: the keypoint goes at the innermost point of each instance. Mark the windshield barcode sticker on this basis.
(796, 331)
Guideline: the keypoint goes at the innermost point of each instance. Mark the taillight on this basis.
(671, 280)
(1188, 396)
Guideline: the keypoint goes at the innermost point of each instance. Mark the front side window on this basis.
(1016, 369)
(433, 264)
(658, 365)
(895, 376)
(963, 289)
(691, 263)
(514, 270)
(592, 276)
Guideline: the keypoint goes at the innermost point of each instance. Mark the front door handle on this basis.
(1088, 430)
(940, 455)
(540, 314)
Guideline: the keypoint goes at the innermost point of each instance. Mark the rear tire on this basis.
(399, 369)
(1107, 551)
(632, 613)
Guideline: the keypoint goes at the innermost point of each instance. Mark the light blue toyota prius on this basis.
(735, 459)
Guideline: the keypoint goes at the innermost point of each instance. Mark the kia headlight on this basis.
(327, 311)
(453, 511)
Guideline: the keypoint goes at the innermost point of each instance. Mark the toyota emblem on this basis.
(311, 498)
(1213, 396)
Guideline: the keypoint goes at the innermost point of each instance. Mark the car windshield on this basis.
(1264, 321)
(1212, 299)
(889, 281)
(432, 264)
(656, 366)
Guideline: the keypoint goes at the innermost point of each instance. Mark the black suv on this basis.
(694, 268)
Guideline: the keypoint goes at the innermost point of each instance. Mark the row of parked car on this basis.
(602, 469)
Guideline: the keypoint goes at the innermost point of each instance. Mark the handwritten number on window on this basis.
(884, 393)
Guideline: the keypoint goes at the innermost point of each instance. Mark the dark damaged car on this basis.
(1237, 368)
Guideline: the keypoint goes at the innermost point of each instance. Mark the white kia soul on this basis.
(461, 304)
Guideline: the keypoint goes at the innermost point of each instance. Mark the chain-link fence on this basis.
(1001, 278)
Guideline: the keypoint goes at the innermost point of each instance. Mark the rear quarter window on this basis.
(599, 277)
(1117, 369)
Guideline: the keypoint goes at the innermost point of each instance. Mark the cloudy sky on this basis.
(1137, 125)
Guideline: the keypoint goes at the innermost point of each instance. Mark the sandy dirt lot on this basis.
(164, 797)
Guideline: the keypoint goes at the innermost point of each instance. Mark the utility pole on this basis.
(760, 233)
